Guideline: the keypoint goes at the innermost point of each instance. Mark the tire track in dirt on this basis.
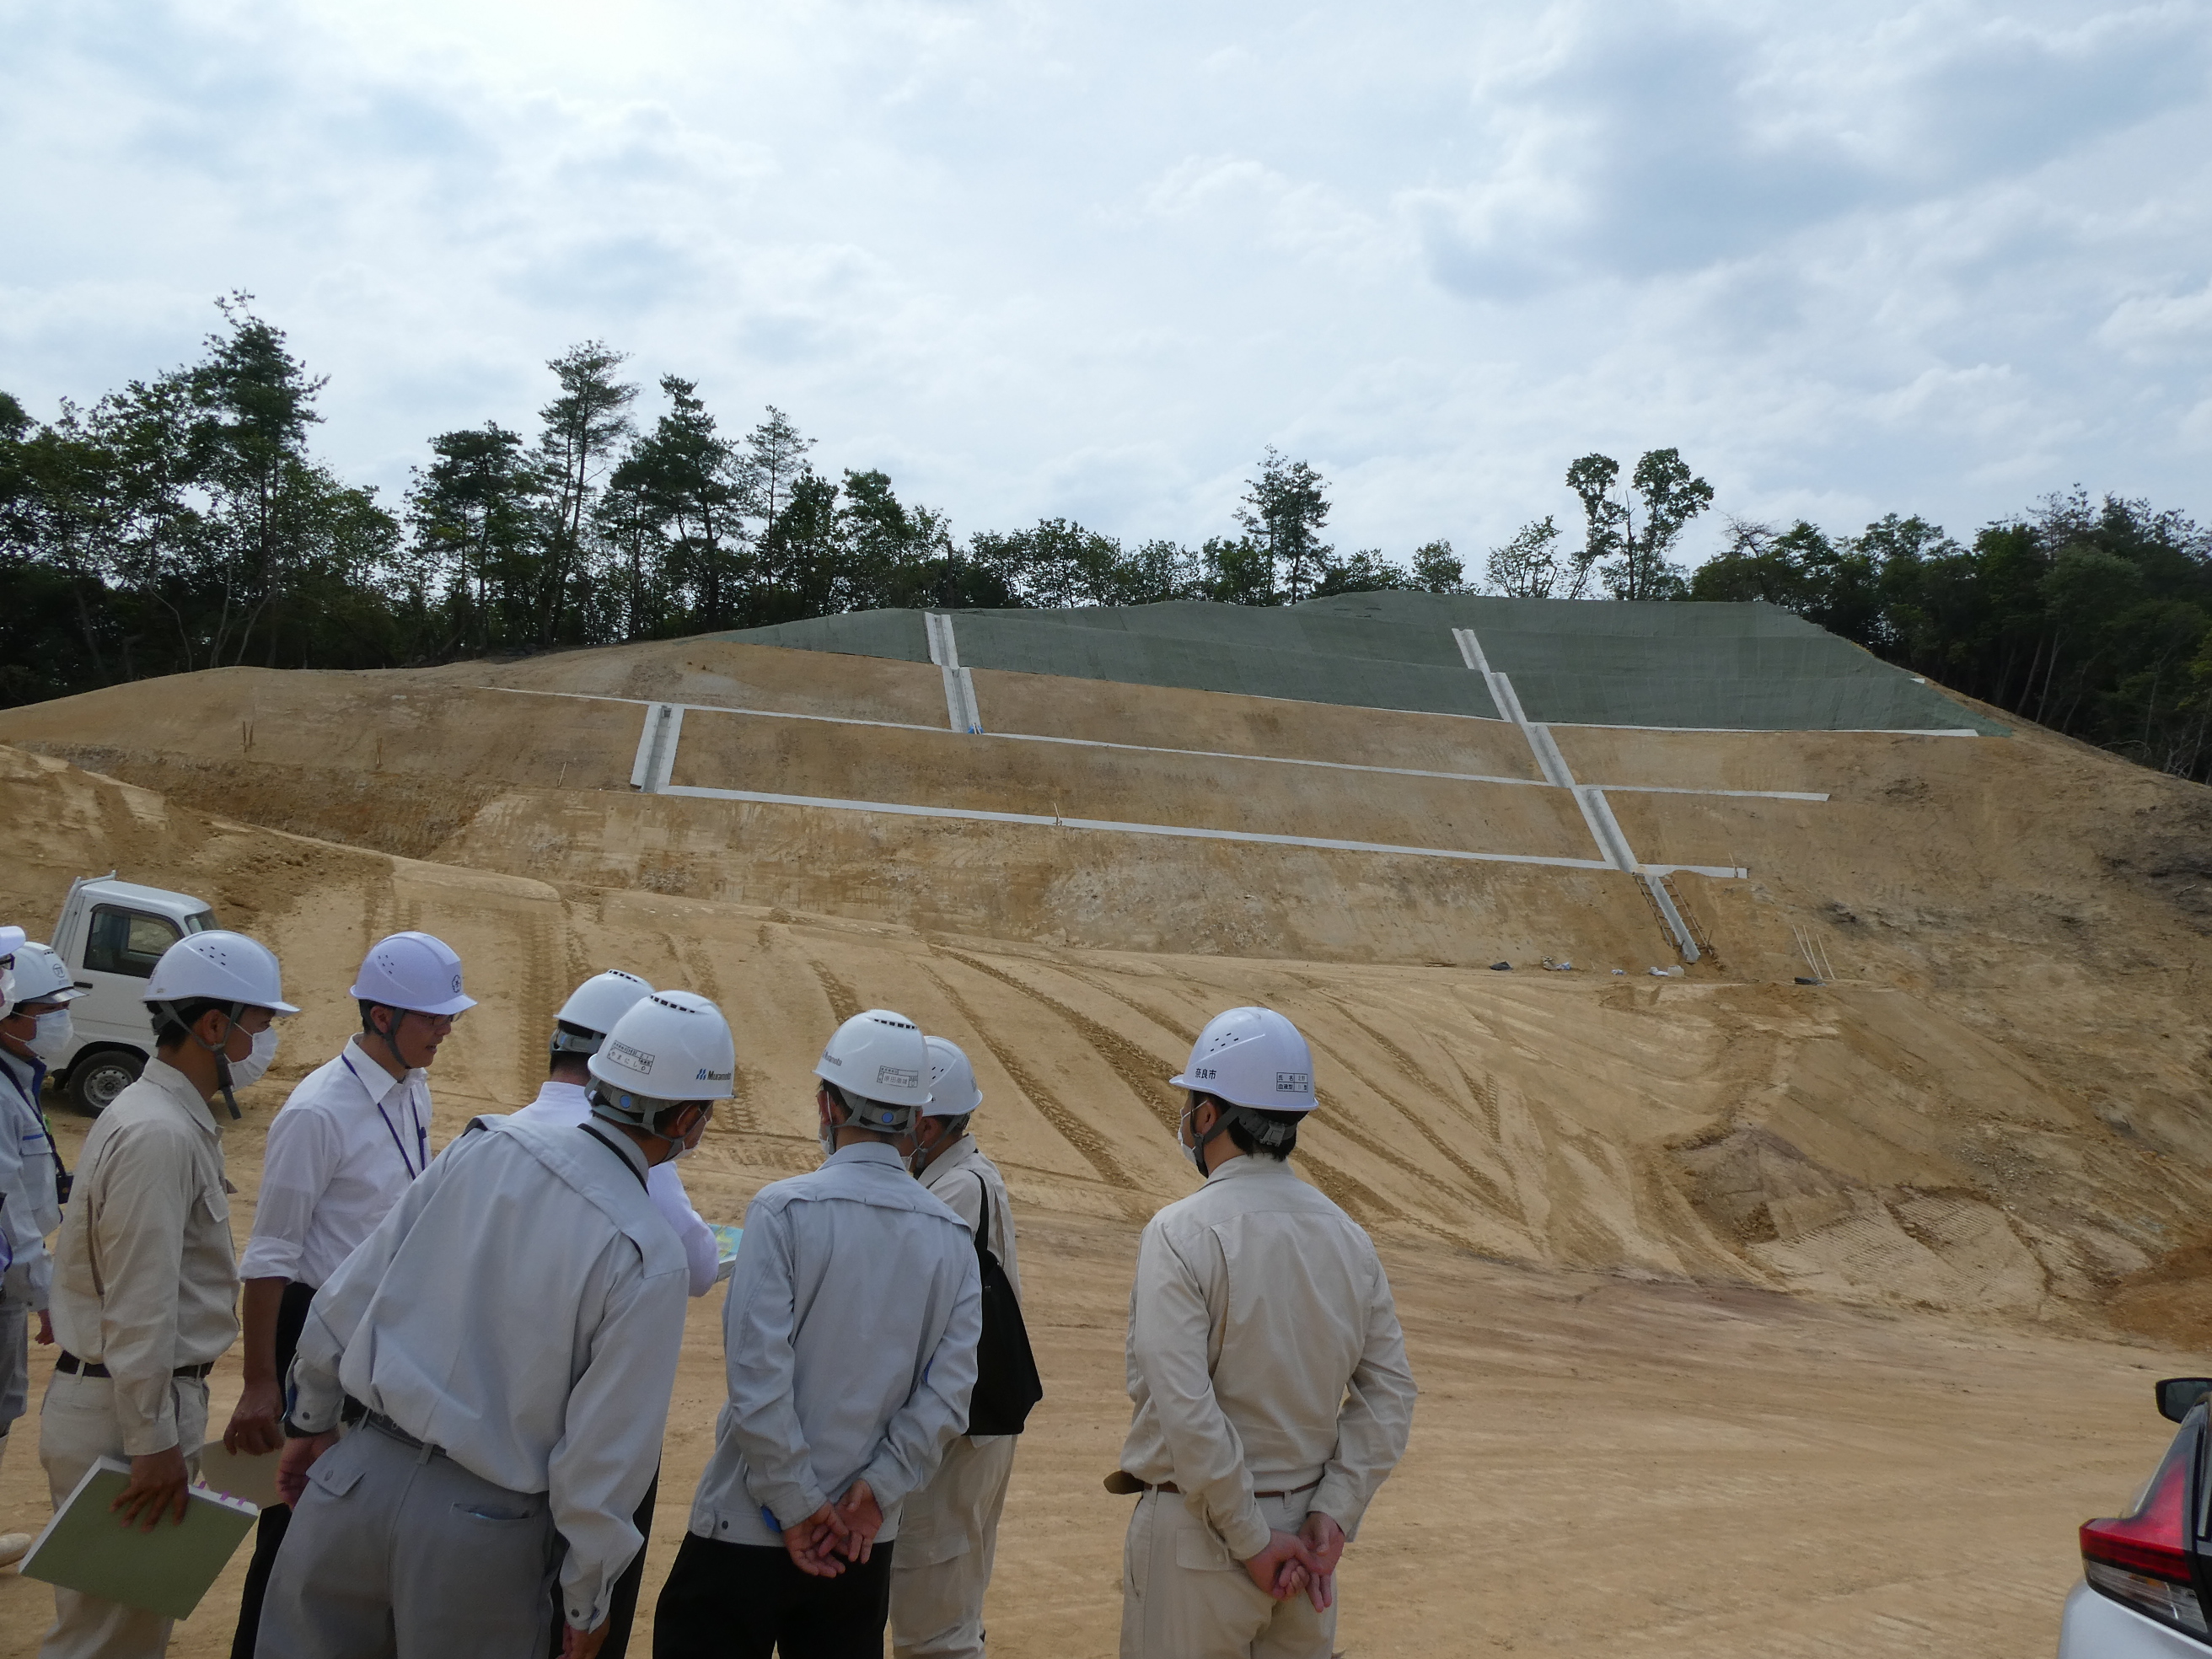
(843, 1005)
(1070, 1127)
(544, 956)
(1145, 1074)
(1174, 1028)
(1486, 1187)
(1407, 1066)
(1502, 1201)
(745, 1098)
(1485, 1095)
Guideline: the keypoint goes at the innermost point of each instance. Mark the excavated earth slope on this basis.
(1979, 1146)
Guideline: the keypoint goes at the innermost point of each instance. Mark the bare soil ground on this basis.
(1601, 1462)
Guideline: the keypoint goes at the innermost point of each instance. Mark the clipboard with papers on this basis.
(87, 1548)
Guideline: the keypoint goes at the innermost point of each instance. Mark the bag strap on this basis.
(983, 1209)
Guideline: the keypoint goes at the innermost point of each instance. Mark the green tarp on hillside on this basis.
(1574, 662)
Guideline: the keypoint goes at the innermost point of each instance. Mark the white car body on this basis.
(2097, 1627)
(110, 933)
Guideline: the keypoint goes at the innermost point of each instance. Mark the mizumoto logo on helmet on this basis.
(708, 1075)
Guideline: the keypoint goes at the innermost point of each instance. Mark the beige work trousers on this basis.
(77, 1425)
(1184, 1596)
(948, 1537)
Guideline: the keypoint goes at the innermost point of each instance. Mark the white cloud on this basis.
(1936, 256)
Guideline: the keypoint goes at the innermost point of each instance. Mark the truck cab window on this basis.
(127, 941)
(199, 922)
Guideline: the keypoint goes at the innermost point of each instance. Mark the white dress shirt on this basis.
(521, 1309)
(849, 1338)
(350, 1140)
(29, 1209)
(564, 1104)
(1264, 1354)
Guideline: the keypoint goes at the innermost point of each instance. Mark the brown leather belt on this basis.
(71, 1366)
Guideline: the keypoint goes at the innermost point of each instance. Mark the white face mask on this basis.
(50, 1041)
(245, 1073)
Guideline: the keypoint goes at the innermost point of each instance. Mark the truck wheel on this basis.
(96, 1079)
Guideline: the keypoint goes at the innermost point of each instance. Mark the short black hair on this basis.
(172, 1023)
(1253, 1132)
(955, 1127)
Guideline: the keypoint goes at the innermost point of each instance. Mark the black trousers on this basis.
(622, 1607)
(747, 1601)
(269, 1532)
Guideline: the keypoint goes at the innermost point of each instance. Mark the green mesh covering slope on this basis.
(1574, 662)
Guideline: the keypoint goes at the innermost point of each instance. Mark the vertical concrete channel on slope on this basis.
(959, 684)
(1597, 813)
(656, 747)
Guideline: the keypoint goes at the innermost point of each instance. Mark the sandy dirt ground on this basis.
(1600, 1462)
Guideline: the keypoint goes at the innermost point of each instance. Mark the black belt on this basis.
(383, 1425)
(72, 1365)
(1123, 1484)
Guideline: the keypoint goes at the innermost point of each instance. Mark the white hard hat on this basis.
(881, 1062)
(1251, 1057)
(415, 971)
(42, 976)
(671, 1047)
(952, 1087)
(594, 1006)
(11, 941)
(222, 967)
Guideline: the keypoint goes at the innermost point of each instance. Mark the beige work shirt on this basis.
(144, 1280)
(1264, 1354)
(960, 1177)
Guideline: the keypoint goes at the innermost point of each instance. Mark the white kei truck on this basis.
(111, 933)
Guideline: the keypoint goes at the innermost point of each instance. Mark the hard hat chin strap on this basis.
(390, 1041)
(222, 1059)
(1195, 1150)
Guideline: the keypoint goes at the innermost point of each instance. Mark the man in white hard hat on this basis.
(350, 1138)
(144, 1281)
(850, 1339)
(1266, 1369)
(512, 1329)
(580, 1031)
(34, 1031)
(949, 1530)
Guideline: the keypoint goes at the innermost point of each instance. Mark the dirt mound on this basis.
(1953, 1144)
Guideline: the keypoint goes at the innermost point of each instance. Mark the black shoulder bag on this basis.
(1007, 1381)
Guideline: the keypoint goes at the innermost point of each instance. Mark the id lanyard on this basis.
(422, 1136)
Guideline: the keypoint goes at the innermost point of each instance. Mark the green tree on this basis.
(1437, 569)
(578, 431)
(1237, 571)
(1604, 520)
(478, 517)
(778, 458)
(1528, 566)
(1365, 571)
(1284, 510)
(1670, 496)
(695, 490)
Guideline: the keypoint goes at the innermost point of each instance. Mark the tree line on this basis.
(184, 522)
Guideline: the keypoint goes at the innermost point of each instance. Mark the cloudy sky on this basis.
(1088, 259)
